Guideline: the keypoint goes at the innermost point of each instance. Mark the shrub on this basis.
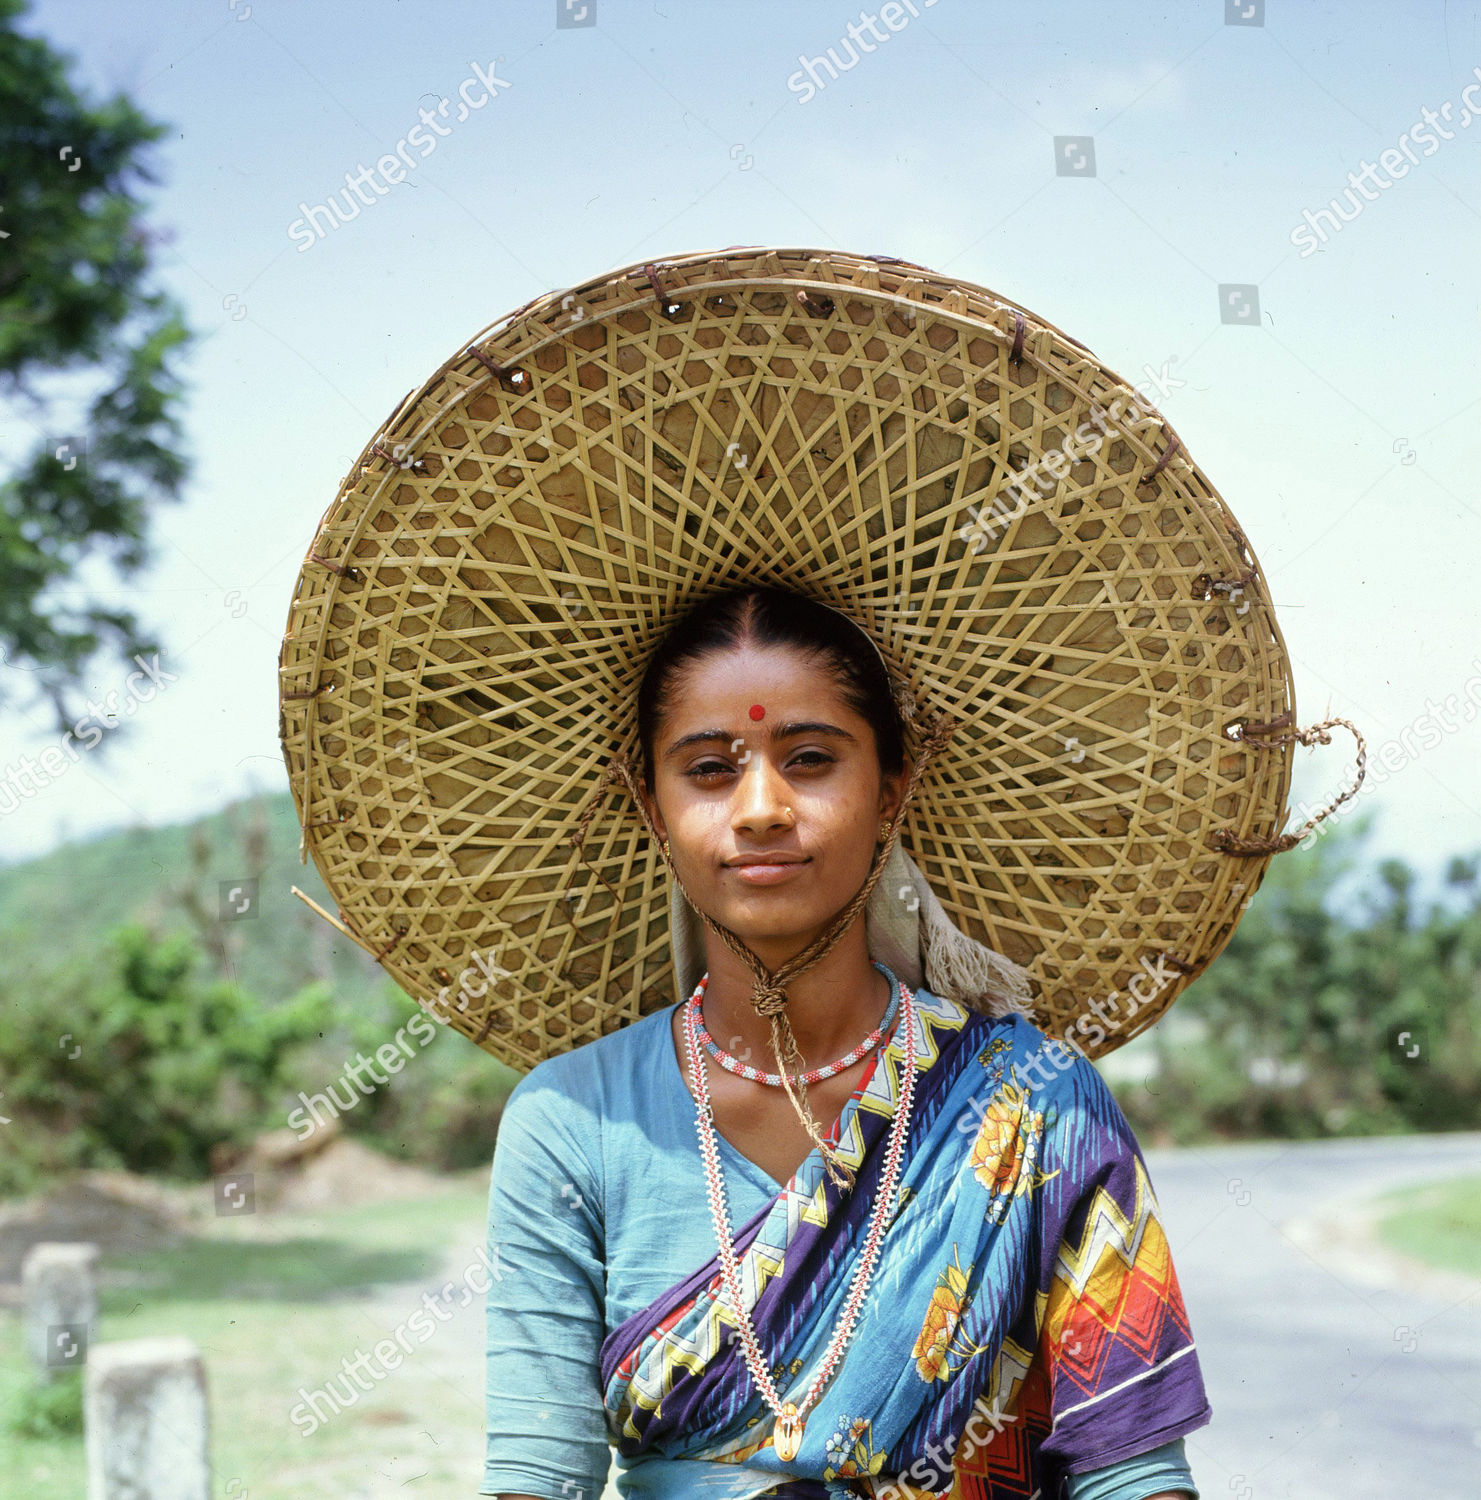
(125, 1059)
(1331, 1012)
(48, 1408)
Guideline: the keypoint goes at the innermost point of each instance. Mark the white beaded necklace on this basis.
(792, 1416)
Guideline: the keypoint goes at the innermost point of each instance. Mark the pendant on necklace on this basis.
(788, 1437)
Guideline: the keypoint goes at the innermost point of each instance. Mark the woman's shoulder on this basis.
(588, 1074)
(561, 1109)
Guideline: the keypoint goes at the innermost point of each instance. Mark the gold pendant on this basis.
(788, 1437)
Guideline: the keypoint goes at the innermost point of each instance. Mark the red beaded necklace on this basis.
(733, 1064)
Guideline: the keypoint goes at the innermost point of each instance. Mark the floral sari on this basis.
(1023, 1321)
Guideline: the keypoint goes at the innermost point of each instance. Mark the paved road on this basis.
(1325, 1383)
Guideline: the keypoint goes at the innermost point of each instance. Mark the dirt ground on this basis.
(124, 1213)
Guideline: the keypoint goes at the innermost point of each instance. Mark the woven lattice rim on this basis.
(478, 604)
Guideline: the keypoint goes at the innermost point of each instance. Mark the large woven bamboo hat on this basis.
(1021, 535)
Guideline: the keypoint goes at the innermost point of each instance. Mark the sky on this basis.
(1327, 385)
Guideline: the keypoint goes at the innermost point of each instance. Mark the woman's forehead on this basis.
(752, 694)
(764, 676)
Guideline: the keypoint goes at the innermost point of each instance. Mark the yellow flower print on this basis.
(989, 1053)
(1005, 1150)
(995, 1151)
(936, 1341)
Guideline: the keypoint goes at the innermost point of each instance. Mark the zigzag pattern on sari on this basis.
(1024, 1320)
(675, 1354)
(1114, 1306)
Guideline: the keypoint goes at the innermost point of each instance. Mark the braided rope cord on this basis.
(769, 992)
(1261, 737)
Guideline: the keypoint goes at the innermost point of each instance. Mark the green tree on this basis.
(1339, 1007)
(125, 1055)
(89, 389)
(1418, 976)
(124, 1058)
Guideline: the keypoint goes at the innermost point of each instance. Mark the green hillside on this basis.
(140, 1030)
(170, 880)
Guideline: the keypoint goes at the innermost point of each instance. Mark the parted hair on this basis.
(763, 615)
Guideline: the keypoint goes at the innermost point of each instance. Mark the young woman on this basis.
(819, 1232)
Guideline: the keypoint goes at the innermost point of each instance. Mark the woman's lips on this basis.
(768, 874)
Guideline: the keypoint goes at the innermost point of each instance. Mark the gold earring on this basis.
(666, 853)
(884, 831)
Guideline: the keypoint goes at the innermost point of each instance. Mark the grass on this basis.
(274, 1303)
(1439, 1223)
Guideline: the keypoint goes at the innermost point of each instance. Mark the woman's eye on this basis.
(814, 757)
(708, 768)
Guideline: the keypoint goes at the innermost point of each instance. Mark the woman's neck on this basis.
(831, 1006)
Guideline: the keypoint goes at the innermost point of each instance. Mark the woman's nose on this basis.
(761, 796)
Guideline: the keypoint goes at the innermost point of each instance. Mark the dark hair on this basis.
(767, 616)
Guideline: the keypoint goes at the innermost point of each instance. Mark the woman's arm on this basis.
(1159, 1474)
(547, 1437)
(1117, 1346)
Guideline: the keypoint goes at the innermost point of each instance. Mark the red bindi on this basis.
(757, 712)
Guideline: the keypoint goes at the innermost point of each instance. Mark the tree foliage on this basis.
(124, 1058)
(89, 387)
(126, 1055)
(1343, 1005)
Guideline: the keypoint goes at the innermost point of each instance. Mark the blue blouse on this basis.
(597, 1204)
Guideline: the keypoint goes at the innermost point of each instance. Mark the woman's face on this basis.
(800, 781)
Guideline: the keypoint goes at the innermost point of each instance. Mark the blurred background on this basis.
(1264, 217)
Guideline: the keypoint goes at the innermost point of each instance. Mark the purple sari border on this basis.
(813, 1248)
(628, 1333)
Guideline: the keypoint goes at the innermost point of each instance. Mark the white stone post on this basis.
(146, 1422)
(61, 1300)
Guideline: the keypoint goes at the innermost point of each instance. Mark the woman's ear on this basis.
(892, 791)
(651, 803)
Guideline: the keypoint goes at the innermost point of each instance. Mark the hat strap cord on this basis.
(1271, 736)
(769, 996)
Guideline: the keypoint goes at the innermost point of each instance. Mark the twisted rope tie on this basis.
(769, 999)
(769, 992)
(1260, 737)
